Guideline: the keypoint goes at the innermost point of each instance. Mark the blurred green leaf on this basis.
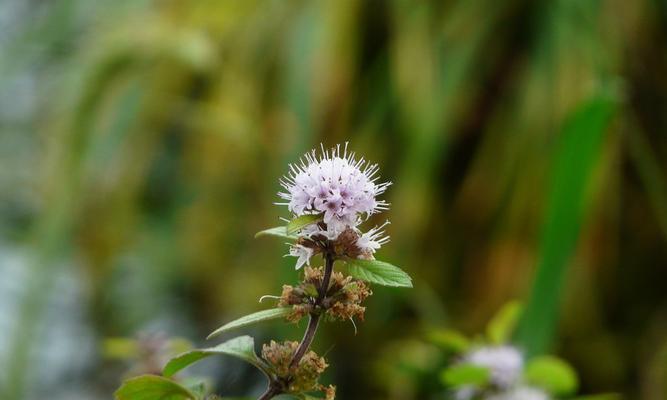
(197, 387)
(260, 316)
(242, 347)
(278, 231)
(500, 328)
(378, 272)
(450, 340)
(465, 374)
(552, 374)
(649, 170)
(301, 222)
(152, 387)
(179, 345)
(605, 396)
(579, 148)
(120, 348)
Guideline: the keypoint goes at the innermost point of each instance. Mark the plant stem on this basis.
(271, 391)
(314, 321)
(308, 337)
(328, 270)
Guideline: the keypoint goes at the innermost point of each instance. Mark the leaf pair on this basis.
(373, 271)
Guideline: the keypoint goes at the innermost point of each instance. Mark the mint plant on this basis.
(330, 195)
(490, 367)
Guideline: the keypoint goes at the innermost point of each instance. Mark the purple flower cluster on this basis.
(341, 188)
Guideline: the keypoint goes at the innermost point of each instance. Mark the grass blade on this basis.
(580, 146)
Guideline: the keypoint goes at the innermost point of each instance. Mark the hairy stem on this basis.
(311, 330)
(308, 337)
(314, 321)
(328, 270)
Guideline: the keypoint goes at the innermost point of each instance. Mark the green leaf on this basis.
(450, 340)
(604, 396)
(579, 148)
(242, 347)
(120, 348)
(500, 328)
(465, 374)
(378, 272)
(278, 231)
(152, 387)
(301, 222)
(264, 315)
(552, 374)
(196, 386)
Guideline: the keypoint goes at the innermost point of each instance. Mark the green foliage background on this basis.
(142, 142)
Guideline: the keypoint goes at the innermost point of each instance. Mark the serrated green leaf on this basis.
(501, 327)
(260, 316)
(242, 347)
(552, 374)
(465, 374)
(450, 340)
(301, 222)
(278, 231)
(378, 272)
(152, 387)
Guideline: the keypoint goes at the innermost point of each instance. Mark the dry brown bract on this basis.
(342, 300)
(306, 374)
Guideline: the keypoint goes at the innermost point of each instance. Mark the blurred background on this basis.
(141, 143)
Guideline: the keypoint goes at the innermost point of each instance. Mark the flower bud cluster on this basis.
(304, 377)
(341, 301)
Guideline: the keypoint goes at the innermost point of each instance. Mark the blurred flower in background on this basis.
(139, 141)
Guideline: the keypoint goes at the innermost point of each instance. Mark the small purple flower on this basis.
(372, 240)
(302, 253)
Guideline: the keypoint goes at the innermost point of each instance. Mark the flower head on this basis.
(504, 362)
(335, 184)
